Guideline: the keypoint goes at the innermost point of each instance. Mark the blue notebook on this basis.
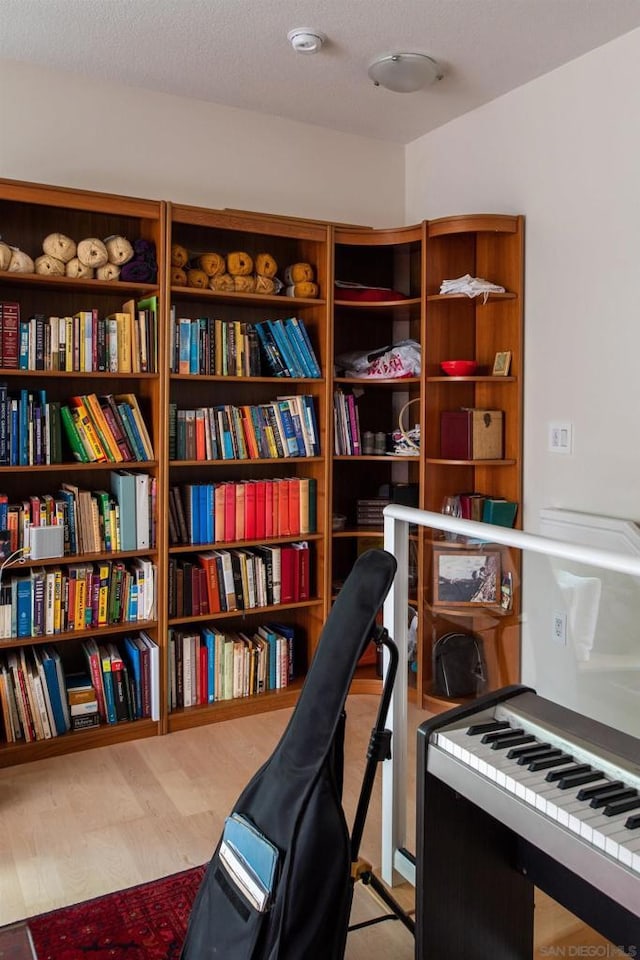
(250, 858)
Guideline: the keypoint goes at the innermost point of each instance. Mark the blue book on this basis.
(203, 526)
(23, 606)
(23, 346)
(282, 342)
(132, 654)
(210, 513)
(14, 451)
(131, 429)
(123, 487)
(290, 437)
(194, 348)
(272, 641)
(312, 424)
(288, 632)
(299, 325)
(298, 346)
(57, 698)
(254, 851)
(275, 361)
(107, 683)
(184, 345)
(210, 641)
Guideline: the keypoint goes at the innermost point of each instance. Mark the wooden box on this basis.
(471, 434)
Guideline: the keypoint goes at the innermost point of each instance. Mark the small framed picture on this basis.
(502, 363)
(462, 578)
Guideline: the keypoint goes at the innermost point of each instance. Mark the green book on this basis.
(499, 511)
(71, 431)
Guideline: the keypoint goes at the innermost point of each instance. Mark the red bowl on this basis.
(459, 368)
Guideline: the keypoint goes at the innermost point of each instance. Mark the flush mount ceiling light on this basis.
(304, 40)
(404, 72)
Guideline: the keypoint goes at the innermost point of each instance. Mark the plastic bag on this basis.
(399, 360)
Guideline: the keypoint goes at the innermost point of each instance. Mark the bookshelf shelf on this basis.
(441, 297)
(413, 260)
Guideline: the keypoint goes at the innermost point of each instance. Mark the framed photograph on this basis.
(462, 578)
(502, 363)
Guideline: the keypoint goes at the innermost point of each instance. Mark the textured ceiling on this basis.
(235, 52)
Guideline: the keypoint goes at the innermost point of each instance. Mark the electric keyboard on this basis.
(515, 792)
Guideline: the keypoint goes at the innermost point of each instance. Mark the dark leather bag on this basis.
(295, 802)
(458, 665)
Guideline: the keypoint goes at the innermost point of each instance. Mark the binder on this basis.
(123, 487)
(142, 510)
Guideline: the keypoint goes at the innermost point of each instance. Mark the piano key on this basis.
(544, 764)
(576, 768)
(539, 754)
(613, 795)
(477, 728)
(633, 822)
(534, 749)
(501, 734)
(621, 806)
(566, 783)
(599, 789)
(511, 742)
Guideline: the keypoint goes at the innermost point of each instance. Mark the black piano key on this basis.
(500, 734)
(566, 783)
(609, 787)
(511, 742)
(612, 796)
(545, 762)
(633, 821)
(488, 727)
(567, 771)
(621, 806)
(527, 751)
(539, 755)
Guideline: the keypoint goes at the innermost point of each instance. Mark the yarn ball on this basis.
(197, 278)
(223, 283)
(60, 246)
(303, 289)
(5, 256)
(244, 284)
(21, 262)
(119, 250)
(178, 277)
(212, 264)
(239, 264)
(78, 270)
(298, 273)
(49, 265)
(92, 252)
(266, 266)
(110, 271)
(179, 255)
(264, 285)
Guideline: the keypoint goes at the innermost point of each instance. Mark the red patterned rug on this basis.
(147, 922)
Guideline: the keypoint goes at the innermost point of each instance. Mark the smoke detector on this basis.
(304, 40)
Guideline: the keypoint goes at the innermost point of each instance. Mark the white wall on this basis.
(564, 150)
(57, 129)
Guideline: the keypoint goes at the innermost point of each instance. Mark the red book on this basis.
(304, 572)
(10, 334)
(294, 505)
(201, 445)
(218, 511)
(288, 574)
(261, 511)
(240, 495)
(208, 562)
(229, 512)
(250, 511)
(284, 530)
(269, 525)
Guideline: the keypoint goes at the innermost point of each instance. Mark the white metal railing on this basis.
(395, 864)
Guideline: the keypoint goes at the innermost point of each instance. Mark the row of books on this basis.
(75, 597)
(346, 424)
(210, 665)
(123, 342)
(218, 581)
(287, 349)
(480, 506)
(213, 347)
(93, 521)
(106, 429)
(41, 699)
(242, 510)
(35, 430)
(286, 427)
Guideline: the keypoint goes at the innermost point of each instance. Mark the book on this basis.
(124, 488)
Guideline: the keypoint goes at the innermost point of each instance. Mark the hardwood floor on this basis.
(80, 826)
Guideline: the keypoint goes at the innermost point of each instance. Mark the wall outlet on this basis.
(560, 437)
(559, 628)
